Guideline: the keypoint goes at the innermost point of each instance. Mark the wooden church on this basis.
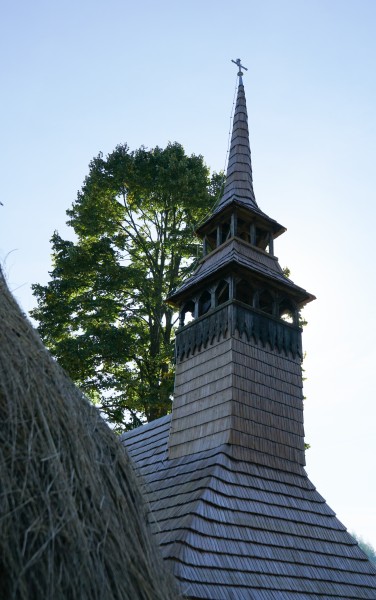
(233, 510)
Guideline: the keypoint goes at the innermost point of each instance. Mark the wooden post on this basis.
(234, 223)
(205, 246)
(213, 296)
(252, 234)
(195, 313)
(271, 244)
(277, 312)
(231, 288)
(219, 235)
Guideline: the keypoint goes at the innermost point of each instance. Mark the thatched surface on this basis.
(72, 520)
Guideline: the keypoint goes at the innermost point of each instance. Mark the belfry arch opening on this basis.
(288, 312)
(187, 313)
(204, 303)
(266, 302)
(225, 232)
(243, 230)
(222, 293)
(244, 292)
(262, 238)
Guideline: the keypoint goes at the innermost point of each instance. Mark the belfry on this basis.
(235, 513)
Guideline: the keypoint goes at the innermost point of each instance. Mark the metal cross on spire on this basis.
(240, 67)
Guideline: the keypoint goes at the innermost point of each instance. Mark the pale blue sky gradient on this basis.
(81, 77)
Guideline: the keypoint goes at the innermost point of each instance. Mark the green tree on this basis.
(367, 548)
(102, 314)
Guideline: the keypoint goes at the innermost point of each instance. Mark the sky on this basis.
(78, 78)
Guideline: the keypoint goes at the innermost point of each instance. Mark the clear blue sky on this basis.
(81, 77)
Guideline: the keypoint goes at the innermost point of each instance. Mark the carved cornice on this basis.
(234, 317)
(202, 332)
(266, 329)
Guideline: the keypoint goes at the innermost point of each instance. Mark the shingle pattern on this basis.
(237, 252)
(232, 529)
(239, 182)
(238, 188)
(239, 392)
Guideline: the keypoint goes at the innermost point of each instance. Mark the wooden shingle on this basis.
(233, 529)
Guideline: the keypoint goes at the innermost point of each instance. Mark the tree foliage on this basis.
(367, 548)
(102, 314)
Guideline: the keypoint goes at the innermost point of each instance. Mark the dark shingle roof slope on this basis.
(237, 252)
(234, 530)
(239, 180)
(238, 189)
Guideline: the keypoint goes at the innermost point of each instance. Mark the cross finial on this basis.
(240, 67)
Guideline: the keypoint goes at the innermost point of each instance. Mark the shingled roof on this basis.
(234, 252)
(239, 179)
(233, 509)
(236, 530)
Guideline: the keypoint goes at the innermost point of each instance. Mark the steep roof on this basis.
(238, 201)
(238, 187)
(237, 252)
(239, 180)
(232, 529)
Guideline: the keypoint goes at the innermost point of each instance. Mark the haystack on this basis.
(72, 518)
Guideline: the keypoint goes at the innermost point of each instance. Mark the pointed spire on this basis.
(239, 182)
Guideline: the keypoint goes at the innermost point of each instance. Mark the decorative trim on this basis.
(203, 331)
(234, 316)
(281, 336)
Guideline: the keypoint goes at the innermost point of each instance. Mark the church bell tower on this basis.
(233, 510)
(238, 347)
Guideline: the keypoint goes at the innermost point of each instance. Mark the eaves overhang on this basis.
(240, 257)
(244, 210)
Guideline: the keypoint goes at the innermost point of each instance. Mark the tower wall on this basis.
(203, 397)
(240, 390)
(267, 404)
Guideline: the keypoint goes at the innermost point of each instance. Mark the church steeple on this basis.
(244, 334)
(239, 182)
(238, 198)
(233, 510)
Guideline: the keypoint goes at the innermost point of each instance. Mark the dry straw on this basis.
(72, 519)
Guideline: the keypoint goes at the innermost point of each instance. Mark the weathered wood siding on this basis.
(240, 392)
(203, 397)
(267, 404)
